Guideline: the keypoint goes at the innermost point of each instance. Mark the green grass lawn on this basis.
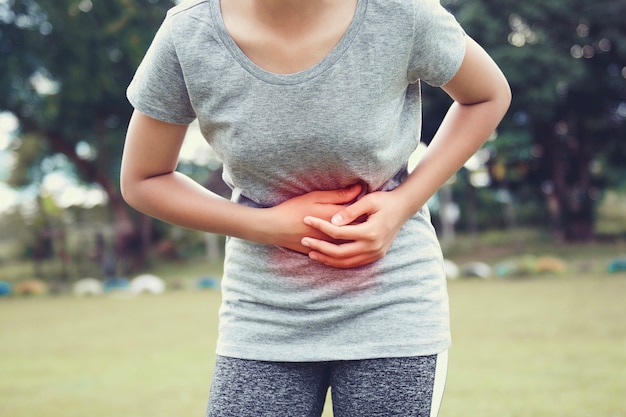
(544, 346)
(550, 346)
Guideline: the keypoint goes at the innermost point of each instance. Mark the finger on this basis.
(336, 232)
(330, 249)
(340, 196)
(354, 213)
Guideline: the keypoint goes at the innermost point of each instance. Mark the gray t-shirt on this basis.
(355, 116)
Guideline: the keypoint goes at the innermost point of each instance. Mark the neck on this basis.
(287, 36)
(286, 12)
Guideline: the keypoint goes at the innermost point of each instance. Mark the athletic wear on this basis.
(403, 387)
(354, 117)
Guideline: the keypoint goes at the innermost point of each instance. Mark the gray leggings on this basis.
(407, 387)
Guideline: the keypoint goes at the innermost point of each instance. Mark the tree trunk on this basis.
(131, 242)
(568, 181)
(127, 249)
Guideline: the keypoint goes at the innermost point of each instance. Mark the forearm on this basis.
(175, 198)
(150, 184)
(463, 131)
(482, 97)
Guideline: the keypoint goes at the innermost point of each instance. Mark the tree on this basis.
(64, 66)
(564, 134)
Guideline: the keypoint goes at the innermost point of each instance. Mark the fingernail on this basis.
(305, 242)
(337, 219)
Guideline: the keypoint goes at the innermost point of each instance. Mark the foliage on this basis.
(564, 134)
(66, 81)
(64, 68)
(611, 214)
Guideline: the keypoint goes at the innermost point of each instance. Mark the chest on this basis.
(346, 109)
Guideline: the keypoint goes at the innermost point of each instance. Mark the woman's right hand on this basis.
(284, 225)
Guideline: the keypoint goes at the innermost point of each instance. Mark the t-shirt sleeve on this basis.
(438, 44)
(158, 88)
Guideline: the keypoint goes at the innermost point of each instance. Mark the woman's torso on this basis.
(354, 116)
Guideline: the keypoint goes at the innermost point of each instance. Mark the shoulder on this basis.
(187, 6)
(417, 13)
(390, 17)
(392, 7)
(430, 11)
(415, 9)
(188, 20)
(405, 6)
(190, 9)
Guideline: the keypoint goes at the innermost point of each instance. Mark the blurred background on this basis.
(538, 216)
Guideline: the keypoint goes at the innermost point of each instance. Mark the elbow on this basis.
(132, 185)
(129, 191)
(503, 89)
(139, 192)
(501, 95)
(505, 99)
(507, 94)
(125, 189)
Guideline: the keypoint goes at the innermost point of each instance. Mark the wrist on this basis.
(407, 201)
(254, 224)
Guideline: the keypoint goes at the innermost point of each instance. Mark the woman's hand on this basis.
(284, 224)
(362, 233)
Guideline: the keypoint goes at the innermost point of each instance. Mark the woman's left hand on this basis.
(367, 227)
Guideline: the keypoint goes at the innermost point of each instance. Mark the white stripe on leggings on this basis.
(441, 372)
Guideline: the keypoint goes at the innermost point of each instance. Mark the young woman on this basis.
(333, 275)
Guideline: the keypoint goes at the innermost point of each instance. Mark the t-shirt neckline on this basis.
(293, 78)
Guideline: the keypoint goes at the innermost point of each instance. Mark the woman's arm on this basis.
(481, 97)
(150, 184)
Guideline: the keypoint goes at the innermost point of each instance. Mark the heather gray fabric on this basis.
(353, 117)
(403, 387)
